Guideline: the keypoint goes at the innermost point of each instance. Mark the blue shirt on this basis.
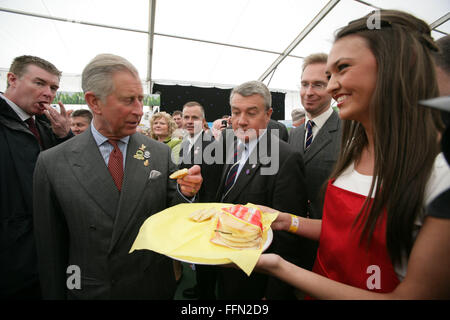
(106, 148)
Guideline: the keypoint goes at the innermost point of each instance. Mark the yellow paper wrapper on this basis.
(171, 232)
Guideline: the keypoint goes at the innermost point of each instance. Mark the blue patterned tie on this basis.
(309, 135)
(231, 176)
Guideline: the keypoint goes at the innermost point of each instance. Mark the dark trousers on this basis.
(206, 281)
(234, 284)
(31, 292)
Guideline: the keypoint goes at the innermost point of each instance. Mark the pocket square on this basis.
(154, 174)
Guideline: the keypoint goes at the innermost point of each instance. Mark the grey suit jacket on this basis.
(82, 220)
(319, 159)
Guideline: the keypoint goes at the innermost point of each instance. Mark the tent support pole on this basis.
(151, 33)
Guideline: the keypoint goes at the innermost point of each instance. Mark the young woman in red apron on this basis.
(377, 76)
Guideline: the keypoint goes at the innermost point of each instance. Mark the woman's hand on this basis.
(283, 220)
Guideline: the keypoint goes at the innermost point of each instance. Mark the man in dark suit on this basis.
(320, 147)
(192, 151)
(24, 109)
(269, 173)
(96, 190)
(193, 144)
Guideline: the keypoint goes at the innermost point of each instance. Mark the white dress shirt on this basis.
(319, 121)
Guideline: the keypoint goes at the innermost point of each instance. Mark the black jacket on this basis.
(19, 150)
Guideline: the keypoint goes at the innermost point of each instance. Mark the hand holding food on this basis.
(179, 174)
(189, 180)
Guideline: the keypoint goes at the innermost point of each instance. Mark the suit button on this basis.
(92, 227)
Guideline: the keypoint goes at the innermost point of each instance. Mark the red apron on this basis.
(341, 256)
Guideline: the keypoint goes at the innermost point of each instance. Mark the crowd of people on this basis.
(355, 190)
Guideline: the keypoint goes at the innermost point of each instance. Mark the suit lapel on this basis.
(245, 176)
(229, 154)
(323, 138)
(90, 169)
(301, 140)
(320, 141)
(135, 178)
(249, 169)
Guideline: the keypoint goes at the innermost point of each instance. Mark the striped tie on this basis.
(309, 134)
(231, 176)
(115, 164)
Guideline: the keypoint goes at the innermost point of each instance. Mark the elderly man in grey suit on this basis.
(93, 193)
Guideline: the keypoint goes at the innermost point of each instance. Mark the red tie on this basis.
(34, 129)
(115, 164)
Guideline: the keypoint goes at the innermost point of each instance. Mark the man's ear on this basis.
(11, 79)
(269, 113)
(93, 102)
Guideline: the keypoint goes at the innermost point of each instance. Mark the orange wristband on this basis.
(295, 221)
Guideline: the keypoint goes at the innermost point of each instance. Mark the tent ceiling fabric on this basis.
(267, 25)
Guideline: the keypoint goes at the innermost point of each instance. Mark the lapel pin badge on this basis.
(141, 154)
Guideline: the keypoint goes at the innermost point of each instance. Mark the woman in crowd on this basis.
(390, 151)
(161, 128)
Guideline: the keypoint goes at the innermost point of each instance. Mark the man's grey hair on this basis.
(297, 114)
(97, 75)
(254, 87)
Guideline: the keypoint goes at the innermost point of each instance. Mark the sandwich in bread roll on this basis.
(239, 227)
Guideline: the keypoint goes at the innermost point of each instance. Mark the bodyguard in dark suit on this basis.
(97, 189)
(318, 139)
(269, 173)
(32, 86)
(194, 151)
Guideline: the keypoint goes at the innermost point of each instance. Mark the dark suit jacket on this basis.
(282, 132)
(281, 187)
(203, 154)
(81, 219)
(19, 151)
(319, 159)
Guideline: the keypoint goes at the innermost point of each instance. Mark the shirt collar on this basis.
(101, 139)
(252, 143)
(20, 113)
(193, 139)
(320, 120)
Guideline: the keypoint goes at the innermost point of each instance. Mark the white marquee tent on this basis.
(196, 42)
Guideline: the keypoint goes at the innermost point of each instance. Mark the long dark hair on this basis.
(405, 135)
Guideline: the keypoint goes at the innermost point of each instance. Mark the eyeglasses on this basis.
(318, 86)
